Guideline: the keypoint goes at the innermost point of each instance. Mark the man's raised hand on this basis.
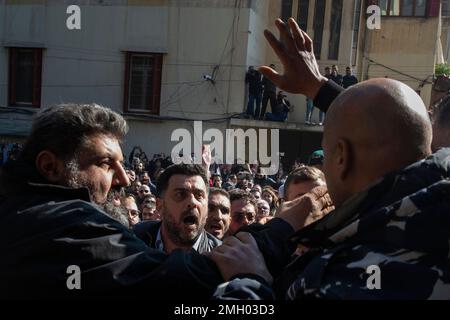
(296, 53)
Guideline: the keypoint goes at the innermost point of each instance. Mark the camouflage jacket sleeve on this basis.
(244, 287)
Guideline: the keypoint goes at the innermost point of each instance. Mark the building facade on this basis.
(165, 63)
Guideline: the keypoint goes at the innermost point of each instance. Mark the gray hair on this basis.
(63, 129)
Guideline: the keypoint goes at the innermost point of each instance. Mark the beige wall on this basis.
(191, 34)
(407, 45)
(445, 38)
(404, 44)
(345, 45)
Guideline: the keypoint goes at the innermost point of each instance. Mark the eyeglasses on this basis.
(144, 191)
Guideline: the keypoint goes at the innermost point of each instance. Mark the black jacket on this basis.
(45, 229)
(147, 231)
(253, 78)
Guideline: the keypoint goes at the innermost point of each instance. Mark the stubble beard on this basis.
(177, 233)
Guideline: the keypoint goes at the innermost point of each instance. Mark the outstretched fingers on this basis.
(297, 34)
(277, 46)
(286, 37)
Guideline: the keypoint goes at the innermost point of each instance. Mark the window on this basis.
(446, 9)
(319, 15)
(286, 10)
(335, 29)
(302, 14)
(403, 8)
(25, 73)
(142, 82)
(356, 23)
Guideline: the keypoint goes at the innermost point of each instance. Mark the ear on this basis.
(343, 158)
(49, 166)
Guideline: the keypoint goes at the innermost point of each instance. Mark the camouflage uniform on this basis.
(401, 224)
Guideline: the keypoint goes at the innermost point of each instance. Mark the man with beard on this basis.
(51, 217)
(182, 201)
(219, 218)
(55, 232)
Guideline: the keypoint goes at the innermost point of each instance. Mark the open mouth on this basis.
(190, 220)
(216, 227)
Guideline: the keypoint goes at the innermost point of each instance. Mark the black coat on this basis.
(46, 228)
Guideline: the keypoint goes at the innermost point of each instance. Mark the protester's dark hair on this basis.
(129, 195)
(181, 169)
(274, 194)
(238, 194)
(214, 191)
(441, 112)
(301, 174)
(64, 129)
(147, 203)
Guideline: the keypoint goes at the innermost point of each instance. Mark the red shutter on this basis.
(433, 8)
(126, 85)
(12, 76)
(37, 78)
(157, 74)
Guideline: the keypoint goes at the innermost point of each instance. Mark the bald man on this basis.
(389, 236)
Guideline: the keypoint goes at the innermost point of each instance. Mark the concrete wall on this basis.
(87, 65)
(407, 45)
(345, 45)
(445, 38)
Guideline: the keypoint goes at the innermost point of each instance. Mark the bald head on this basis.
(373, 128)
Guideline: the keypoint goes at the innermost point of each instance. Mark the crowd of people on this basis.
(9, 151)
(376, 196)
(333, 74)
(261, 90)
(137, 202)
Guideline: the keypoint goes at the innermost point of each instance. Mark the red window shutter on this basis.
(12, 76)
(433, 8)
(126, 86)
(37, 78)
(157, 75)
